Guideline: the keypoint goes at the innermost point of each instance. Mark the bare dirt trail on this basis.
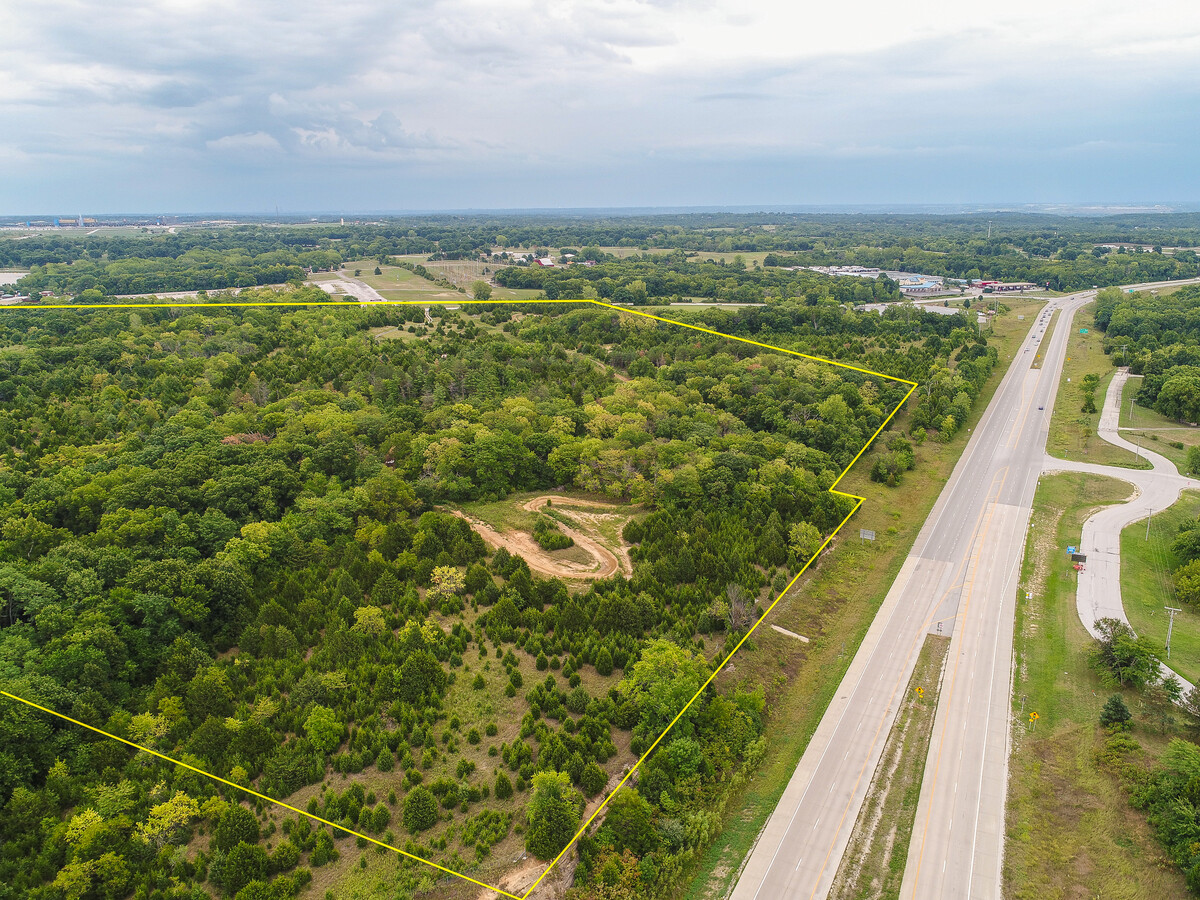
(586, 520)
(605, 563)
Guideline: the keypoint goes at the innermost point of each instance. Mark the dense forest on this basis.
(228, 535)
(1066, 252)
(1159, 338)
(653, 278)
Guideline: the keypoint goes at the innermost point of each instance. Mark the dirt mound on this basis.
(604, 562)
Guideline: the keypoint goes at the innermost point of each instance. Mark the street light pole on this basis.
(1148, 518)
(1171, 612)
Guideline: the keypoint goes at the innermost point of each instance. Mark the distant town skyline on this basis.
(181, 106)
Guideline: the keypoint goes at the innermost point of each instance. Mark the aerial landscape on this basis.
(618, 451)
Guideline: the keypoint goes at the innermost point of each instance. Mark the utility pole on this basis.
(1171, 612)
(1131, 399)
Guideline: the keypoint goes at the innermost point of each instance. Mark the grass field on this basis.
(1072, 432)
(397, 283)
(833, 606)
(1154, 430)
(1071, 832)
(1146, 585)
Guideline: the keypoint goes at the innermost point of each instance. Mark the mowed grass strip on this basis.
(833, 605)
(873, 865)
(1153, 430)
(1048, 332)
(1147, 586)
(1073, 432)
(1070, 830)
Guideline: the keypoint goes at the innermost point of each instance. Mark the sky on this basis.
(177, 106)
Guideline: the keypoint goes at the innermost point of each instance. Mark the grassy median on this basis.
(873, 864)
(1072, 431)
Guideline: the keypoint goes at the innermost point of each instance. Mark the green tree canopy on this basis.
(555, 811)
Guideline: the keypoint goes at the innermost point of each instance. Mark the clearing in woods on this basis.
(594, 525)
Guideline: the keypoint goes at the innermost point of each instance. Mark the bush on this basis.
(548, 536)
(555, 811)
(236, 825)
(604, 662)
(1116, 713)
(593, 779)
(245, 863)
(420, 810)
(385, 761)
(323, 851)
(504, 788)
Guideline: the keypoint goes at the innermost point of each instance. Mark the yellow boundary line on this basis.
(912, 386)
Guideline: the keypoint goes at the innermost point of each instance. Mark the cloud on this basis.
(250, 143)
(472, 103)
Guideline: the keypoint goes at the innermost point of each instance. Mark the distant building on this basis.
(1006, 287)
(839, 271)
(922, 287)
(545, 262)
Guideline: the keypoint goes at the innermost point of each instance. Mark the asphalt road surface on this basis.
(960, 580)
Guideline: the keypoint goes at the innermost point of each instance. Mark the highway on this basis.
(958, 580)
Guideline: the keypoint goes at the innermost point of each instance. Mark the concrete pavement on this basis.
(961, 569)
(957, 845)
(960, 578)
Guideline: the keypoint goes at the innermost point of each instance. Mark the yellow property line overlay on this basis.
(858, 501)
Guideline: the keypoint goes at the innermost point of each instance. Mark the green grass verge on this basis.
(1072, 432)
(1070, 830)
(1147, 586)
(1155, 431)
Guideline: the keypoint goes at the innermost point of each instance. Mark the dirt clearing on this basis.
(593, 525)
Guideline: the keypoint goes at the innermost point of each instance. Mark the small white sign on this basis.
(866, 535)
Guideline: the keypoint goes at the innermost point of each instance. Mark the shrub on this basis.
(504, 788)
(1116, 713)
(236, 825)
(593, 779)
(385, 761)
(420, 810)
(604, 662)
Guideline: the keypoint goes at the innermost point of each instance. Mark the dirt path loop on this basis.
(605, 563)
